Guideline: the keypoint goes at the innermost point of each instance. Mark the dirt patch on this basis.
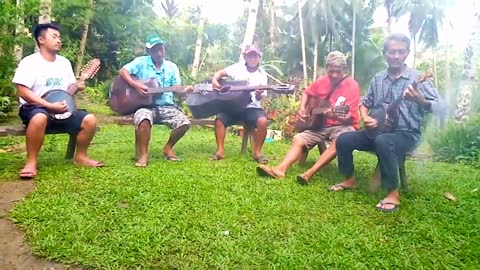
(14, 253)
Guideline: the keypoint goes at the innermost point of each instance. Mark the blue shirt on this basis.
(143, 67)
(383, 89)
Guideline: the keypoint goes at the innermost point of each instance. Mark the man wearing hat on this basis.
(253, 115)
(338, 89)
(164, 112)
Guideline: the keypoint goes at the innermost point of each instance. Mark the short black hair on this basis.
(41, 28)
(396, 37)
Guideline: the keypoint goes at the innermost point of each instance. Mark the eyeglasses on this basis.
(394, 52)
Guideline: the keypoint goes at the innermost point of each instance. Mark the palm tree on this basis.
(302, 37)
(198, 44)
(170, 8)
(83, 39)
(45, 11)
(251, 25)
(18, 48)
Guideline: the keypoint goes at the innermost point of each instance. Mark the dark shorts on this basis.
(71, 125)
(249, 116)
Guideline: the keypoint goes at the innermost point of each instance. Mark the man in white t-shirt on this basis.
(253, 115)
(38, 73)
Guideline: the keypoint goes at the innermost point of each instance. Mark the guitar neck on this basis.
(250, 88)
(158, 90)
(397, 101)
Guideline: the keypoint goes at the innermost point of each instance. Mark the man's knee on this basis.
(382, 141)
(344, 141)
(38, 121)
(262, 122)
(298, 141)
(144, 124)
(89, 121)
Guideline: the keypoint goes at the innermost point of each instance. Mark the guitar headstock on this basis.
(283, 88)
(425, 76)
(90, 69)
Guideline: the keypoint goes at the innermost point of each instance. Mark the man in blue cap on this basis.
(164, 112)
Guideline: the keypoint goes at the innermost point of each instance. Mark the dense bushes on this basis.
(457, 142)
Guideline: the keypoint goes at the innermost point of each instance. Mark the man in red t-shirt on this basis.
(345, 92)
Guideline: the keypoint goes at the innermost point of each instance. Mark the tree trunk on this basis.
(198, 47)
(434, 62)
(273, 26)
(302, 37)
(83, 40)
(354, 32)
(250, 29)
(18, 48)
(414, 51)
(45, 11)
(315, 60)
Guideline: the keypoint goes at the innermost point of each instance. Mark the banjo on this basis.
(59, 95)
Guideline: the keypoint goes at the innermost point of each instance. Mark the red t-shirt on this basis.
(348, 90)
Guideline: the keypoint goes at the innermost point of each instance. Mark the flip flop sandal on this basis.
(171, 157)
(343, 188)
(27, 174)
(261, 159)
(387, 210)
(302, 179)
(141, 164)
(216, 157)
(265, 171)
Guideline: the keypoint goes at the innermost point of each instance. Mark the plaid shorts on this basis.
(164, 115)
(312, 138)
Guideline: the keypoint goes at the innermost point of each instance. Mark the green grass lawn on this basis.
(203, 214)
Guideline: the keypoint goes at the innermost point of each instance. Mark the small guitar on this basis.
(58, 95)
(387, 114)
(316, 117)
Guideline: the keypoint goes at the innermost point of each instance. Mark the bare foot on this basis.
(86, 162)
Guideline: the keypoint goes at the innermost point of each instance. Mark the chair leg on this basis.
(72, 143)
(321, 147)
(247, 134)
(303, 157)
(377, 179)
(402, 173)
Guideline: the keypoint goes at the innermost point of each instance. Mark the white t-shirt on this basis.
(40, 75)
(239, 71)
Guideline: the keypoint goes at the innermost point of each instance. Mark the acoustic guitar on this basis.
(203, 102)
(59, 95)
(233, 97)
(316, 109)
(387, 114)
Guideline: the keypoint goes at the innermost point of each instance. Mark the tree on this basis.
(198, 45)
(83, 40)
(302, 37)
(170, 8)
(251, 25)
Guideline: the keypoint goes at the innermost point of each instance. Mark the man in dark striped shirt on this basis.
(385, 87)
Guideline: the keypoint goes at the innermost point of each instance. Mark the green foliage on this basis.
(199, 214)
(99, 93)
(457, 142)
